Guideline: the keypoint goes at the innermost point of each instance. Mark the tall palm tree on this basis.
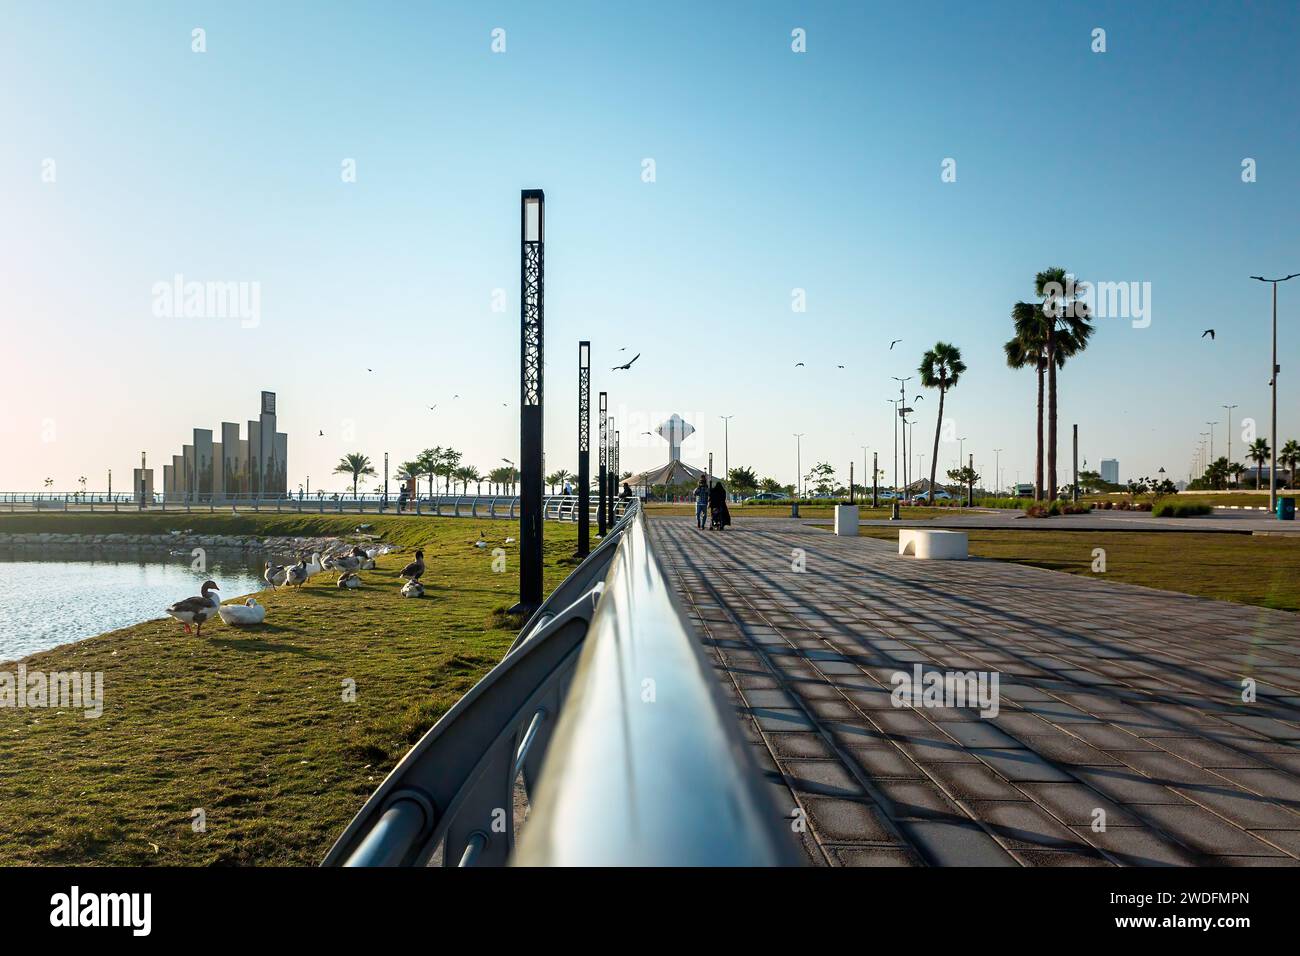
(356, 465)
(1258, 452)
(1068, 331)
(1289, 455)
(1028, 348)
(428, 461)
(940, 368)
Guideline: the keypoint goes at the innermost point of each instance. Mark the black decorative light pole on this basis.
(531, 320)
(618, 464)
(584, 449)
(611, 476)
(600, 471)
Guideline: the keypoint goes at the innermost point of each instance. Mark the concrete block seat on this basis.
(934, 544)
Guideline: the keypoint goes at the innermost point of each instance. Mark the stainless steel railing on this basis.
(606, 710)
(555, 507)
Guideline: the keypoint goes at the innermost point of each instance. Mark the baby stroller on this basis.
(719, 516)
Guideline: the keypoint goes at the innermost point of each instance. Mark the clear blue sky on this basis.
(775, 171)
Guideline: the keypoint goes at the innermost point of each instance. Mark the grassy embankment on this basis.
(250, 724)
(1247, 569)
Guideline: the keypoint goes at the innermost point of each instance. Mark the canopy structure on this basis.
(675, 472)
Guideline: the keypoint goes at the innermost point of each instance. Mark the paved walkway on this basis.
(1112, 698)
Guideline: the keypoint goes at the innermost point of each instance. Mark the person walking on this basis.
(701, 502)
(718, 505)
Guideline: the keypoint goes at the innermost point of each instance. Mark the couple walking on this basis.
(711, 501)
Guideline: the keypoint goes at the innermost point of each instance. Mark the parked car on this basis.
(767, 496)
(939, 495)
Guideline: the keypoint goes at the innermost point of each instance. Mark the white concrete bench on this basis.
(846, 520)
(934, 545)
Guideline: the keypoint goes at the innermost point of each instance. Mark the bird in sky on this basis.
(322, 434)
(798, 365)
(432, 407)
(839, 366)
(1210, 333)
(918, 398)
(370, 370)
(455, 396)
(624, 368)
(893, 343)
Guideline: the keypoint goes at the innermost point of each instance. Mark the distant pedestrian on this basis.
(718, 506)
(627, 492)
(568, 488)
(701, 502)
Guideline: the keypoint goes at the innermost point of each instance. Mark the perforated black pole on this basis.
(604, 439)
(531, 322)
(584, 449)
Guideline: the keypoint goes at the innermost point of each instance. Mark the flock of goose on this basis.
(200, 609)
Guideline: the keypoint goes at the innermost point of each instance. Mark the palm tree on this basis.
(1068, 331)
(1028, 348)
(501, 475)
(356, 465)
(1258, 452)
(940, 368)
(427, 462)
(1289, 455)
(465, 474)
(557, 477)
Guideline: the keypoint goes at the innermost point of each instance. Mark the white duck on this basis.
(196, 610)
(349, 579)
(314, 567)
(412, 589)
(243, 615)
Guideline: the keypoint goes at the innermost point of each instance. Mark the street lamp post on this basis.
(1227, 424)
(997, 468)
(1272, 382)
(532, 236)
(726, 445)
(584, 448)
(1211, 424)
(798, 465)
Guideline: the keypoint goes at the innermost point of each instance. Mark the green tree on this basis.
(427, 462)
(1289, 456)
(1258, 452)
(557, 478)
(769, 486)
(356, 465)
(941, 368)
(822, 478)
(502, 476)
(465, 474)
(742, 480)
(1068, 331)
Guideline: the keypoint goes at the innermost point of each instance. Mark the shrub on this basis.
(1173, 509)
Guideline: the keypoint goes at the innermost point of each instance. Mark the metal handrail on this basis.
(668, 782)
(554, 507)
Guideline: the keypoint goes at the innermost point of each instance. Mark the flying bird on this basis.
(839, 366)
(798, 365)
(1210, 333)
(432, 407)
(624, 368)
(918, 398)
(322, 434)
(893, 343)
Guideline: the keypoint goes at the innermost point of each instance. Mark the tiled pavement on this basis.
(1113, 698)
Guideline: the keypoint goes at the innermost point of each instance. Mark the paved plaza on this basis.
(1117, 704)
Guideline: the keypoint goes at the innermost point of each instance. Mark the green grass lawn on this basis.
(1219, 500)
(250, 725)
(1229, 567)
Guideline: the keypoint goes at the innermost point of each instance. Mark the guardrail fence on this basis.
(606, 711)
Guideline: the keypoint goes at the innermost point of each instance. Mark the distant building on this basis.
(1110, 470)
(209, 470)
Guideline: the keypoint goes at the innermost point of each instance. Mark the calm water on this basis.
(47, 599)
